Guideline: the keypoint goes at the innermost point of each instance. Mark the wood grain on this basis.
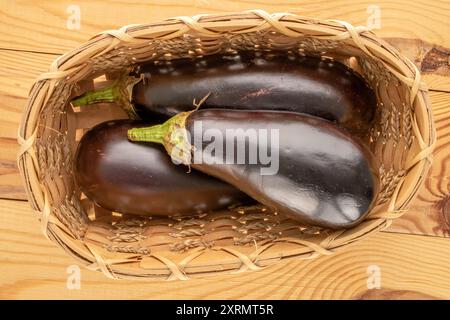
(430, 211)
(43, 27)
(432, 60)
(17, 73)
(32, 267)
(387, 294)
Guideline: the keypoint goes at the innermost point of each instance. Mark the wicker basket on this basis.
(234, 240)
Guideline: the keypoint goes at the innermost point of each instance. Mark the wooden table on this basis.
(409, 260)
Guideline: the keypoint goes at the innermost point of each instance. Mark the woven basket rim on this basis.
(211, 25)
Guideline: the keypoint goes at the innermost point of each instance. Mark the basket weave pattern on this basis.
(237, 239)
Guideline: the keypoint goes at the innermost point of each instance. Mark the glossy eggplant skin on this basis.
(324, 176)
(138, 178)
(326, 89)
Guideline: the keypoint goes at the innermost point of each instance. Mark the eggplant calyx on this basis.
(119, 91)
(172, 134)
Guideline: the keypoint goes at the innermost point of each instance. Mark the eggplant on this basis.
(139, 179)
(326, 89)
(322, 175)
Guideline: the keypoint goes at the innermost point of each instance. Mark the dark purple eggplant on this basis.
(326, 89)
(324, 176)
(139, 179)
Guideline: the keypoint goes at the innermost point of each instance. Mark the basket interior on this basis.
(143, 241)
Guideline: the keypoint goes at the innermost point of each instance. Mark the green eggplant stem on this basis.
(171, 134)
(154, 133)
(107, 94)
